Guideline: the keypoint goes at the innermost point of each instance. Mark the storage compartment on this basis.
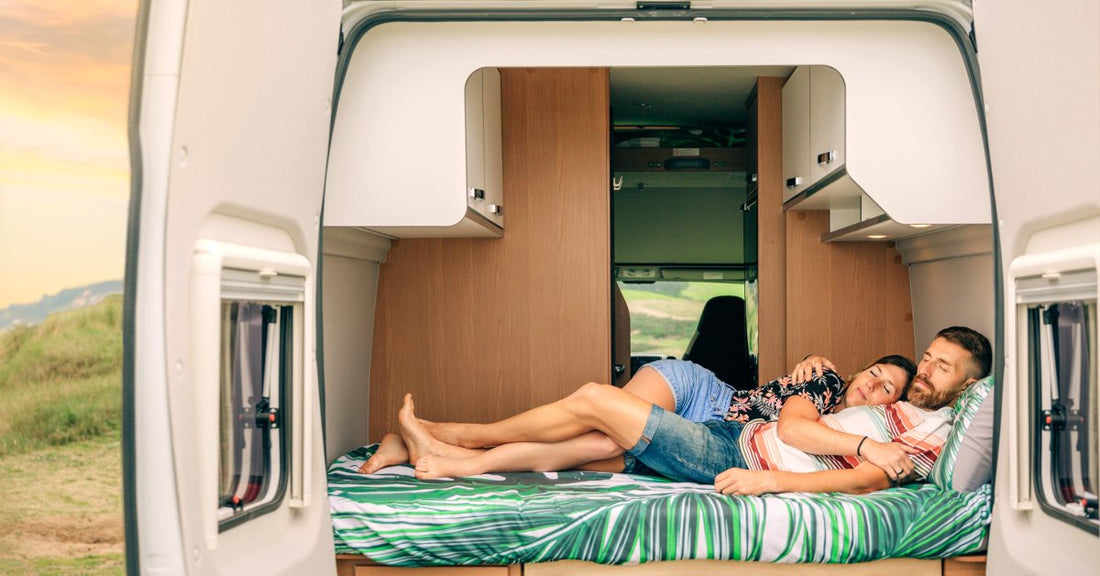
(819, 166)
(449, 184)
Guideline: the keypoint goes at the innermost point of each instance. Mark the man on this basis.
(751, 459)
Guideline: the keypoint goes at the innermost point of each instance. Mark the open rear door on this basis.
(223, 454)
(1040, 66)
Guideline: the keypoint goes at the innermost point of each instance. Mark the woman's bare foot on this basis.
(452, 433)
(435, 466)
(421, 443)
(391, 450)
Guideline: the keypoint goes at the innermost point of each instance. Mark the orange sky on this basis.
(64, 161)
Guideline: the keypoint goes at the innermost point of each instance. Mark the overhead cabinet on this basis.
(821, 152)
(449, 185)
(813, 135)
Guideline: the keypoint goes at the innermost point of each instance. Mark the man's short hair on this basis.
(981, 353)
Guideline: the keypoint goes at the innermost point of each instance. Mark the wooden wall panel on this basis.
(478, 329)
(848, 301)
(771, 229)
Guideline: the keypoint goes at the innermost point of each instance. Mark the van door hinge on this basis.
(663, 5)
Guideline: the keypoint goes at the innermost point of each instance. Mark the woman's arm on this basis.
(800, 427)
(862, 479)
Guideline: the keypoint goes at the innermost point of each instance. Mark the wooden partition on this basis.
(478, 329)
(848, 301)
(767, 111)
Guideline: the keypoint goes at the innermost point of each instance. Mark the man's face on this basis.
(941, 375)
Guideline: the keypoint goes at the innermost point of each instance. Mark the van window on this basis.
(665, 315)
(255, 361)
(1062, 347)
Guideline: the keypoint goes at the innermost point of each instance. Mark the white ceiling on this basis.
(685, 96)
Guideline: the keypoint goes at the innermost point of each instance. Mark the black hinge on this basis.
(663, 5)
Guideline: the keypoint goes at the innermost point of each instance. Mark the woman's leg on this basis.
(585, 449)
(618, 414)
(648, 384)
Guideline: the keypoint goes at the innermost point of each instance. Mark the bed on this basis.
(524, 523)
(394, 519)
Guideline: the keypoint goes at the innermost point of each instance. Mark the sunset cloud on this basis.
(64, 161)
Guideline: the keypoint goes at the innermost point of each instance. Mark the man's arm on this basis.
(811, 367)
(862, 479)
(800, 427)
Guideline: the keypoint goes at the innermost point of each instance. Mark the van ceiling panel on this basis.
(910, 108)
(682, 96)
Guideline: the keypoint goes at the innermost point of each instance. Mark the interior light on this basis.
(919, 225)
(876, 236)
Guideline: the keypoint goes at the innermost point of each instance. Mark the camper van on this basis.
(480, 202)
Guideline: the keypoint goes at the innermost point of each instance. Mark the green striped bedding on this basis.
(514, 518)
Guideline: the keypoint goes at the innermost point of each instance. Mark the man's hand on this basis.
(892, 457)
(745, 482)
(810, 368)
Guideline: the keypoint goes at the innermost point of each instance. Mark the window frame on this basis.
(273, 496)
(1039, 376)
(224, 272)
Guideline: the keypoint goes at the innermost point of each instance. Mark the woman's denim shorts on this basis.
(700, 395)
(688, 451)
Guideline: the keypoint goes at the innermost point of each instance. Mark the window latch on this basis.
(267, 416)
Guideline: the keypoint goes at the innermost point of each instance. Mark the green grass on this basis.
(60, 459)
(84, 566)
(60, 381)
(632, 294)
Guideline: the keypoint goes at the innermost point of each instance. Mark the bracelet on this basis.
(860, 446)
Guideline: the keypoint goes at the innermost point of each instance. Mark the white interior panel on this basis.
(399, 132)
(247, 162)
(352, 260)
(1040, 66)
(950, 281)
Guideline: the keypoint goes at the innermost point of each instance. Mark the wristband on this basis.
(858, 448)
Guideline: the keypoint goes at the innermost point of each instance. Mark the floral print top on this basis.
(766, 401)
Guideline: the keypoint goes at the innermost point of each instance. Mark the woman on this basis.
(683, 388)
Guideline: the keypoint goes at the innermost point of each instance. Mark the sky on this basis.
(64, 157)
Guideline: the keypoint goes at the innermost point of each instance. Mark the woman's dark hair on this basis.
(903, 363)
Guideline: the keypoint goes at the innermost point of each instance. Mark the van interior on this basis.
(632, 197)
(489, 204)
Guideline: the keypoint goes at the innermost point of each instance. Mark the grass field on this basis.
(60, 463)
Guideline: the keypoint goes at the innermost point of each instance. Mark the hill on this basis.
(68, 299)
(60, 381)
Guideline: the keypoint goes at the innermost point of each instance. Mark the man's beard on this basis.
(930, 398)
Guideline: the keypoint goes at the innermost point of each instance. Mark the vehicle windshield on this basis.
(664, 315)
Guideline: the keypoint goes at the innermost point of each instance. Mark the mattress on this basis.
(393, 518)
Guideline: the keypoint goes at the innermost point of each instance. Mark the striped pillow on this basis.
(967, 458)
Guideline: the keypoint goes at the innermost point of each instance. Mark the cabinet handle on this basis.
(496, 209)
(477, 193)
(826, 157)
(792, 182)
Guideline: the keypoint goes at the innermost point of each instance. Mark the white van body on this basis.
(287, 141)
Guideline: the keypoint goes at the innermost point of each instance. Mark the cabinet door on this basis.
(796, 138)
(826, 145)
(484, 190)
(475, 149)
(493, 167)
